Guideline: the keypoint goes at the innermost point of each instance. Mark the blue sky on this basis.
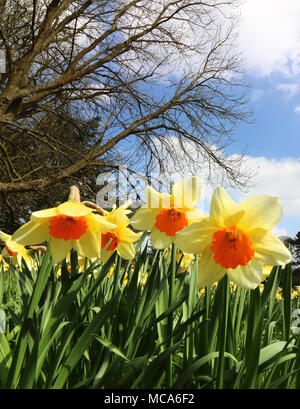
(270, 41)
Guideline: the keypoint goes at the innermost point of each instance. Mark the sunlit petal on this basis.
(4, 236)
(249, 276)
(39, 215)
(73, 209)
(196, 237)
(59, 249)
(261, 211)
(32, 233)
(208, 270)
(222, 207)
(144, 218)
(271, 251)
(159, 240)
(89, 245)
(126, 250)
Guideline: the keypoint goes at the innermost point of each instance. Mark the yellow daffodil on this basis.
(235, 239)
(184, 259)
(16, 251)
(166, 214)
(279, 294)
(121, 238)
(266, 272)
(69, 225)
(3, 264)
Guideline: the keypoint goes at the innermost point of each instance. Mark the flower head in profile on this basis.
(235, 239)
(120, 239)
(16, 251)
(69, 225)
(183, 258)
(3, 265)
(167, 214)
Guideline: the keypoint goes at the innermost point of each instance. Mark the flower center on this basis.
(10, 252)
(106, 237)
(68, 227)
(232, 247)
(170, 221)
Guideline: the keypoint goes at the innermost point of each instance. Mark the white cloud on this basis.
(278, 177)
(289, 89)
(297, 109)
(279, 231)
(270, 36)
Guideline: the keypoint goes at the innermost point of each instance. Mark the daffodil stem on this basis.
(223, 332)
(170, 318)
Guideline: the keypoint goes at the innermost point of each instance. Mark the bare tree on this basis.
(143, 70)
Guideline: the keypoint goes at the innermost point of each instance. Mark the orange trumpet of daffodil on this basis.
(235, 240)
(69, 225)
(167, 214)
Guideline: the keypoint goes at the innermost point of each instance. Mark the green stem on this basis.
(223, 332)
(170, 318)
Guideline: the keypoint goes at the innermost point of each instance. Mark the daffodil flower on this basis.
(16, 251)
(235, 239)
(3, 264)
(121, 238)
(69, 225)
(266, 272)
(166, 214)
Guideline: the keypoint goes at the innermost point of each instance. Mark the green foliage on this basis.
(109, 327)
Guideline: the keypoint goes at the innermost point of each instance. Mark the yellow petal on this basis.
(13, 246)
(74, 209)
(44, 214)
(59, 249)
(144, 218)
(234, 219)
(208, 270)
(249, 276)
(118, 217)
(28, 260)
(222, 207)
(99, 223)
(159, 240)
(187, 192)
(125, 234)
(271, 251)
(196, 237)
(126, 250)
(4, 236)
(261, 211)
(31, 233)
(25, 254)
(89, 244)
(195, 215)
